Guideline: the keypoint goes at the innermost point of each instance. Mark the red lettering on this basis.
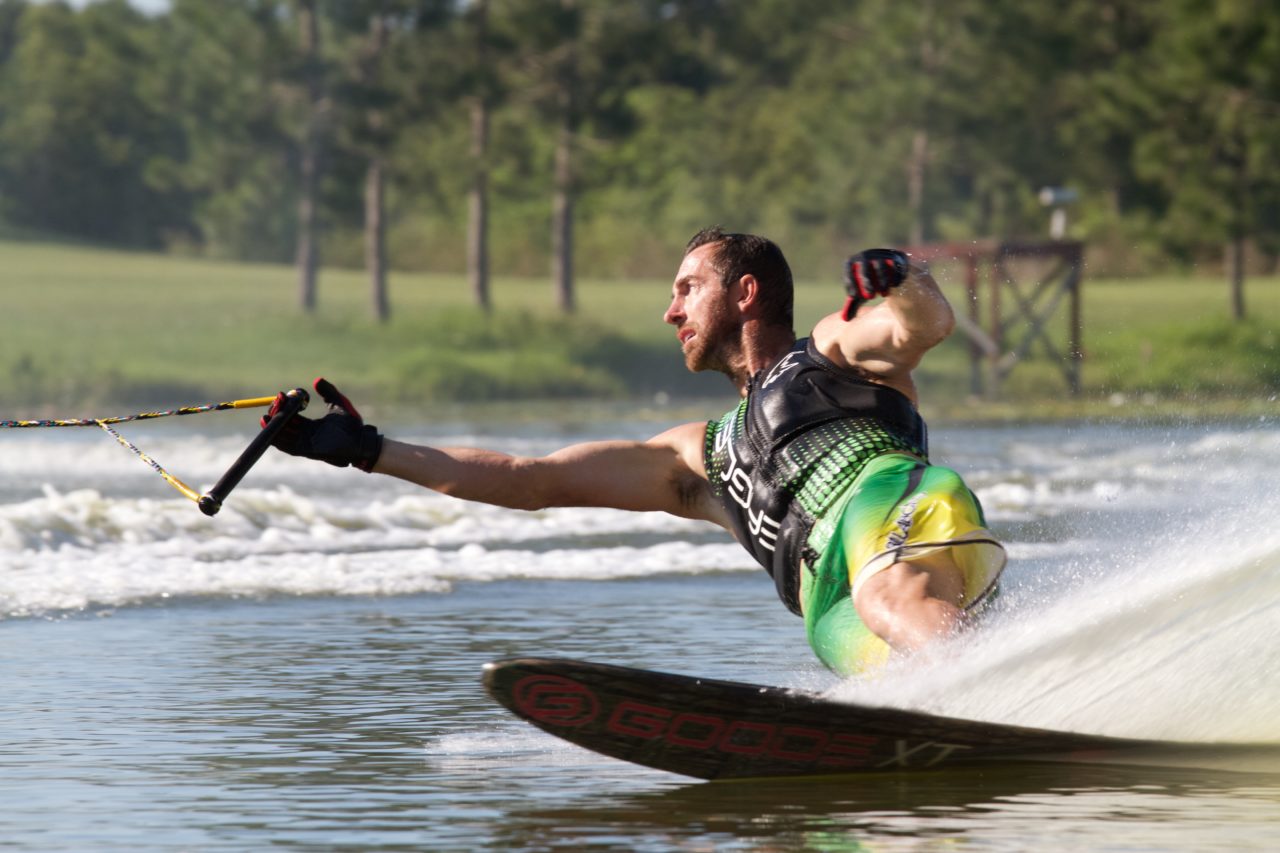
(555, 700)
(638, 720)
(676, 734)
(849, 751)
(743, 737)
(792, 738)
(733, 740)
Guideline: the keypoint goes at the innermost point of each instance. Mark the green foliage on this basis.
(1219, 161)
(229, 75)
(85, 328)
(829, 125)
(86, 331)
(462, 355)
(77, 130)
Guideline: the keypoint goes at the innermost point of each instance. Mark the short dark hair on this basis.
(737, 255)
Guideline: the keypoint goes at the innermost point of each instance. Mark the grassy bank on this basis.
(83, 328)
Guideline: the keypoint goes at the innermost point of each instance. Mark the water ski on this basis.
(713, 729)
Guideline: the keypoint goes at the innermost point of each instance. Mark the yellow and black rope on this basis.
(292, 402)
(253, 402)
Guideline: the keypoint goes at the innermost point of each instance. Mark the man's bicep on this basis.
(871, 344)
(654, 475)
(876, 343)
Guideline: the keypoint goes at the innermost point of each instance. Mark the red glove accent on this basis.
(869, 274)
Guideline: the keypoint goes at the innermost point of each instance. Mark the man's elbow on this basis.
(929, 331)
(532, 487)
(946, 324)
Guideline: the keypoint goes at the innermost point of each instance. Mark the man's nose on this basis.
(674, 313)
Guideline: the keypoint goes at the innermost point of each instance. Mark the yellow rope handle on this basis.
(250, 403)
(253, 402)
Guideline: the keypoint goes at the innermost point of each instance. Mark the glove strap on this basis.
(368, 449)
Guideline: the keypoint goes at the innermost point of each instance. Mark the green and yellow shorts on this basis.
(898, 509)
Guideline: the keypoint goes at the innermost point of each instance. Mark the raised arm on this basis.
(885, 340)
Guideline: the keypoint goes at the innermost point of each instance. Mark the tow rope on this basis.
(209, 502)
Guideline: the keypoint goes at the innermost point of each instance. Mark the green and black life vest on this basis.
(793, 446)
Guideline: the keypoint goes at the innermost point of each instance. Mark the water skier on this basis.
(821, 471)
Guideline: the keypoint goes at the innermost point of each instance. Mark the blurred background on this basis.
(440, 200)
(467, 215)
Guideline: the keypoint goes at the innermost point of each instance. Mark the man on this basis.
(820, 472)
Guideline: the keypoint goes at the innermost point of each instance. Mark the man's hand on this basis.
(869, 274)
(340, 438)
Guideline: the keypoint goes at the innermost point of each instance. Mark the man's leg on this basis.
(912, 604)
(857, 613)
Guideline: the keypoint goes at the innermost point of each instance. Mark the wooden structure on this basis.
(1005, 317)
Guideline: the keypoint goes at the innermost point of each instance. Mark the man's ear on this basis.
(748, 293)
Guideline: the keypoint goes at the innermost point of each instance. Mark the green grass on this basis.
(87, 327)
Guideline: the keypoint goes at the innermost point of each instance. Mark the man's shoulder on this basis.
(689, 477)
(826, 337)
(686, 439)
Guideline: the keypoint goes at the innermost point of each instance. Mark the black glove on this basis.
(340, 438)
(870, 274)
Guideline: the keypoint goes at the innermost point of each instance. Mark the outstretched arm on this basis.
(664, 473)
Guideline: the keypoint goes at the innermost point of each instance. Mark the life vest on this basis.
(791, 449)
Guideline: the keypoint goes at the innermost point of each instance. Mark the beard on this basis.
(714, 345)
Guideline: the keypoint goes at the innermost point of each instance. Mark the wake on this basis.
(1176, 637)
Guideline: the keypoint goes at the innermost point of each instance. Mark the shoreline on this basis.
(1119, 409)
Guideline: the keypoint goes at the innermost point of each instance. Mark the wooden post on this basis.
(1075, 329)
(975, 351)
(997, 325)
(993, 352)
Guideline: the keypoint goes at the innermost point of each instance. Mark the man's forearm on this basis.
(920, 307)
(471, 474)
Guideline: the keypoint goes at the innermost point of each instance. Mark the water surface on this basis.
(304, 669)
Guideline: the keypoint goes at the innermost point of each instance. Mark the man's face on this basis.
(704, 312)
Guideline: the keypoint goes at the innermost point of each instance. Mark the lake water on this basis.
(303, 671)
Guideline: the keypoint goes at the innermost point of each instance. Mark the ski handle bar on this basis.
(294, 401)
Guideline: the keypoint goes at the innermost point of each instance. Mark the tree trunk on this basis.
(1239, 233)
(478, 200)
(915, 185)
(1235, 273)
(375, 236)
(918, 159)
(562, 221)
(308, 256)
(375, 206)
(563, 178)
(478, 212)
